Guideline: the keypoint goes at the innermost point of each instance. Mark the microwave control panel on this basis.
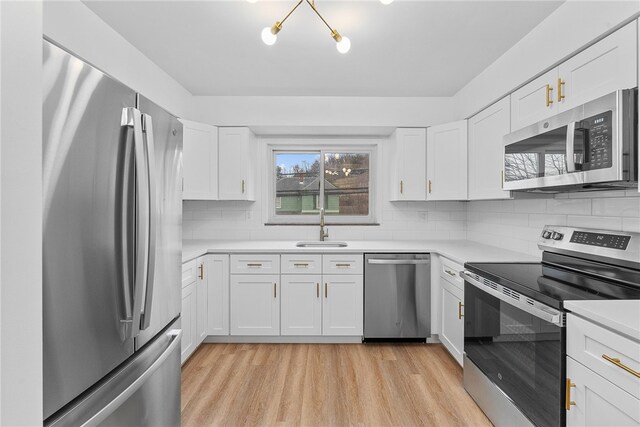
(598, 137)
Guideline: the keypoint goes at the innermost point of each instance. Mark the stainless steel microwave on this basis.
(590, 147)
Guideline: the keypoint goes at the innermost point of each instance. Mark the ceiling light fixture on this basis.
(385, 2)
(270, 34)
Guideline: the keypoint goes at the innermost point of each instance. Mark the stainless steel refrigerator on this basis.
(112, 176)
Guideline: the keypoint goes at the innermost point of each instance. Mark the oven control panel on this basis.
(613, 241)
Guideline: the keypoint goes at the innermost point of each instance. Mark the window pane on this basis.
(297, 183)
(346, 186)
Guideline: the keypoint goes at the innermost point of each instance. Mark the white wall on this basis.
(321, 111)
(568, 29)
(516, 224)
(78, 29)
(21, 213)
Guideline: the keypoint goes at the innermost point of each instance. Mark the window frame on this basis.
(314, 146)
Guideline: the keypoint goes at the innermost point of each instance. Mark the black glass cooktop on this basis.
(553, 284)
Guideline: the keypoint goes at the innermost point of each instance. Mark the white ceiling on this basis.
(409, 48)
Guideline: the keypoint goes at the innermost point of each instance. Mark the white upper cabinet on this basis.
(606, 66)
(486, 130)
(447, 161)
(200, 161)
(236, 160)
(410, 167)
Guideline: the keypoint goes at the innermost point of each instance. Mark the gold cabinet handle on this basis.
(569, 403)
(450, 273)
(301, 264)
(549, 100)
(429, 186)
(257, 264)
(326, 292)
(243, 186)
(343, 265)
(401, 187)
(201, 271)
(318, 289)
(460, 315)
(275, 290)
(560, 86)
(621, 365)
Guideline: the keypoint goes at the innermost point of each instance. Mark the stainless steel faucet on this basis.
(323, 233)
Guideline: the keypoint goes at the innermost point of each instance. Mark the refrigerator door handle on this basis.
(112, 406)
(133, 118)
(147, 129)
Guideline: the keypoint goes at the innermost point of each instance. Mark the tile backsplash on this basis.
(509, 224)
(516, 224)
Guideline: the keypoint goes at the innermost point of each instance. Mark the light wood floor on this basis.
(322, 384)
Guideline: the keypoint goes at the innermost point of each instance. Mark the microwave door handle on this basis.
(571, 132)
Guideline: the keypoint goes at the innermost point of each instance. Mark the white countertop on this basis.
(622, 316)
(460, 251)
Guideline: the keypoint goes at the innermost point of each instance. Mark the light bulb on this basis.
(343, 45)
(268, 37)
(385, 2)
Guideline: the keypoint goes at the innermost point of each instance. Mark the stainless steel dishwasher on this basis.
(397, 296)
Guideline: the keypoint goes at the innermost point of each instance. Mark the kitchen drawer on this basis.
(450, 271)
(255, 264)
(588, 343)
(189, 273)
(342, 264)
(301, 264)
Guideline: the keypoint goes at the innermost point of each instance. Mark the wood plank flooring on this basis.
(325, 385)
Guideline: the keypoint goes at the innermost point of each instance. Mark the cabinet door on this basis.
(200, 161)
(452, 329)
(236, 165)
(598, 402)
(410, 164)
(255, 304)
(605, 67)
(218, 294)
(447, 161)
(201, 295)
(301, 305)
(486, 130)
(342, 308)
(189, 321)
(529, 103)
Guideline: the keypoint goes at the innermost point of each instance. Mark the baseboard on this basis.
(283, 339)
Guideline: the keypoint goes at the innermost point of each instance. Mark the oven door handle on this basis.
(547, 314)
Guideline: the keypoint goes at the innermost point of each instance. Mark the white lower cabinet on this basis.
(255, 304)
(452, 329)
(217, 267)
(189, 321)
(301, 305)
(342, 309)
(201, 298)
(595, 401)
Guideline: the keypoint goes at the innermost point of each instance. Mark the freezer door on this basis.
(87, 227)
(162, 296)
(143, 392)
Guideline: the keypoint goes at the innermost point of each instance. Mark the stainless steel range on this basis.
(514, 332)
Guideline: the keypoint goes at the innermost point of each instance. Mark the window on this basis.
(306, 181)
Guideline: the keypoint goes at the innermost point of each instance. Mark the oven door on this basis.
(517, 346)
(589, 144)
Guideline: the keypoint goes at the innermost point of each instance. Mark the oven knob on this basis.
(546, 234)
(557, 236)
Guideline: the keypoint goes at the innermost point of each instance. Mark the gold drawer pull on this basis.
(450, 273)
(549, 100)
(318, 290)
(569, 403)
(429, 186)
(325, 290)
(621, 365)
(460, 315)
(254, 265)
(343, 265)
(275, 290)
(201, 271)
(301, 264)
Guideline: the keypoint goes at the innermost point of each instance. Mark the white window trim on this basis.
(346, 145)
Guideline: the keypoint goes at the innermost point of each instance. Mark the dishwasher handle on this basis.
(398, 261)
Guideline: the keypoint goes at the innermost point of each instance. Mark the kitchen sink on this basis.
(319, 244)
